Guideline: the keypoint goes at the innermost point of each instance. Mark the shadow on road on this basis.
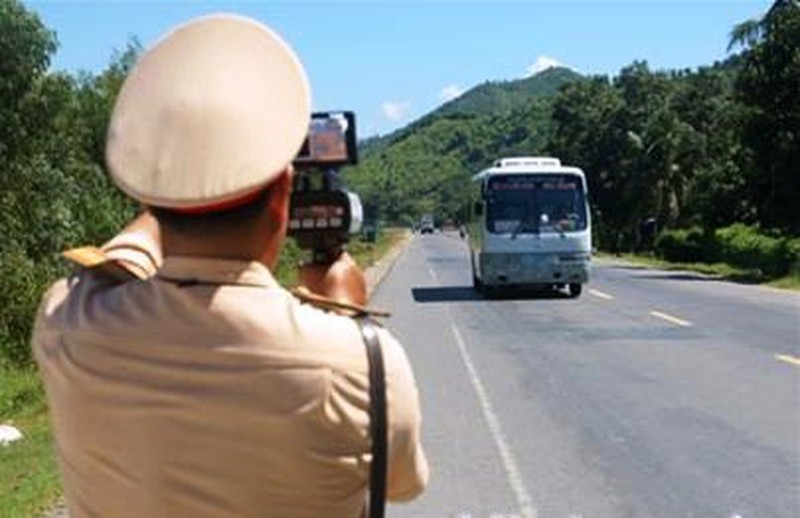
(445, 294)
(634, 267)
(468, 294)
(744, 277)
(680, 277)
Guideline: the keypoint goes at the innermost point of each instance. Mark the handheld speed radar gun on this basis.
(323, 214)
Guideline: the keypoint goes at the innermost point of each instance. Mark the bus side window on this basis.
(478, 208)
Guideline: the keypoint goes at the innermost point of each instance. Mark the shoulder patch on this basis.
(93, 258)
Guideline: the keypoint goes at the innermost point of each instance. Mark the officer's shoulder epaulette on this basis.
(321, 302)
(94, 259)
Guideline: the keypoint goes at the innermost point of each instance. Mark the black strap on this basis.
(377, 419)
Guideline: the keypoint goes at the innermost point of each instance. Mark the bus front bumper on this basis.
(499, 269)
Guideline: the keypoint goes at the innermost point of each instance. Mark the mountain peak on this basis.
(490, 97)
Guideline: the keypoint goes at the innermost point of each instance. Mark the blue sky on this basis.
(392, 61)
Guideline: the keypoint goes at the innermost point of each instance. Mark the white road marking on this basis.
(601, 295)
(524, 500)
(670, 318)
(788, 358)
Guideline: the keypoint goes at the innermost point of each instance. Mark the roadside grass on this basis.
(29, 482)
(29, 477)
(790, 282)
(721, 270)
(367, 254)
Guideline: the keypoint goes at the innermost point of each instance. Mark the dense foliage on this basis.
(710, 147)
(53, 191)
(768, 87)
(746, 247)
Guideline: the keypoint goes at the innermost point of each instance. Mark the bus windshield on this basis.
(535, 203)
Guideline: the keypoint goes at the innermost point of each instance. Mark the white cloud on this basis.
(395, 110)
(543, 63)
(449, 93)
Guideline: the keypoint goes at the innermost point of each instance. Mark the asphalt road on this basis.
(654, 394)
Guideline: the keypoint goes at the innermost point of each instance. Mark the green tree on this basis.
(768, 85)
(716, 195)
(588, 131)
(25, 49)
(53, 188)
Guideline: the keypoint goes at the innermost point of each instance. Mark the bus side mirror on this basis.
(478, 208)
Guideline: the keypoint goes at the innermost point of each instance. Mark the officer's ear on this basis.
(279, 196)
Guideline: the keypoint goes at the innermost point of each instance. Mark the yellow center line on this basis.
(600, 294)
(788, 358)
(670, 318)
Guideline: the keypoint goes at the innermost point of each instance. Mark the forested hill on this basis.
(488, 98)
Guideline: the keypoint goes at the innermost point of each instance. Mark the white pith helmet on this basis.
(209, 115)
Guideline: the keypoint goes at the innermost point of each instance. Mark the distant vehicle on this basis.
(426, 225)
(531, 226)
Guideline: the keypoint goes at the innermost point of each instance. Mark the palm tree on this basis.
(750, 32)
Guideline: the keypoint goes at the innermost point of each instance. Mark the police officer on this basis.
(202, 388)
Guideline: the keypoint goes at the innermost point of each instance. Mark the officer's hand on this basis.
(341, 280)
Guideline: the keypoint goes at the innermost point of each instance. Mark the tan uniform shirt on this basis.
(209, 391)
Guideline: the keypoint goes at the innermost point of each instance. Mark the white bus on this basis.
(531, 227)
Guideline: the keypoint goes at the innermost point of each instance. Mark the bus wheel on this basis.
(477, 285)
(492, 292)
(575, 290)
